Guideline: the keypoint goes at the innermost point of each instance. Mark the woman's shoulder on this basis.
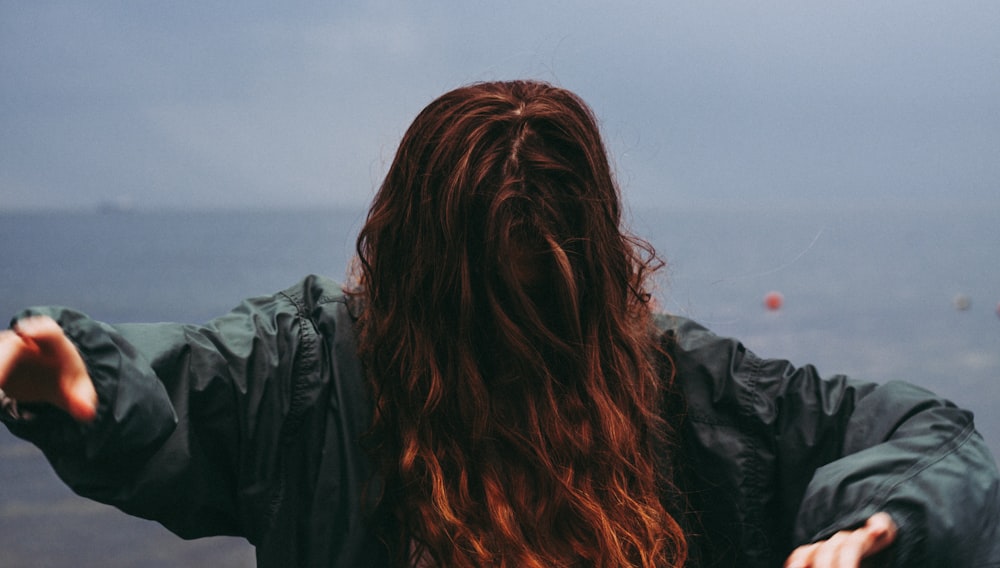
(315, 291)
(690, 343)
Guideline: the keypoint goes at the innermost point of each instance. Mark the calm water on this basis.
(868, 293)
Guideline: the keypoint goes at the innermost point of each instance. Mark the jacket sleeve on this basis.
(919, 458)
(190, 418)
(812, 456)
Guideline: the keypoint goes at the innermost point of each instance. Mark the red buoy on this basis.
(773, 300)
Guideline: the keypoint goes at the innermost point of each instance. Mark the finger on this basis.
(80, 399)
(52, 342)
(842, 550)
(802, 556)
(44, 332)
(10, 350)
(875, 536)
(879, 532)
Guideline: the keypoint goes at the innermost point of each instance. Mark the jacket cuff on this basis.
(134, 413)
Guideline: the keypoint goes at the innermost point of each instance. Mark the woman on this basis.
(495, 390)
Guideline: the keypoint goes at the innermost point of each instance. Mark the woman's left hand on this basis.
(846, 549)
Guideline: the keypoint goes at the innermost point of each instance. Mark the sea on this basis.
(875, 292)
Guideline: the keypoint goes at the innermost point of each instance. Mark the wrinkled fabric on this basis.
(776, 457)
(251, 425)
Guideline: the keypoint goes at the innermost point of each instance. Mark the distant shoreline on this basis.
(632, 207)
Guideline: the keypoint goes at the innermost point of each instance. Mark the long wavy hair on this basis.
(507, 340)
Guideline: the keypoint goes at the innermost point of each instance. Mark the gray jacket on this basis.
(250, 425)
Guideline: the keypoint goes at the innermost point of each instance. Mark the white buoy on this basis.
(962, 302)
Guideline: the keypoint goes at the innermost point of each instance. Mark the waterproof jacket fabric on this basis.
(250, 426)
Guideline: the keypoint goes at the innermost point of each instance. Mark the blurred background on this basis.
(250, 104)
(161, 161)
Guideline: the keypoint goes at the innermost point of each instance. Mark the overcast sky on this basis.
(252, 104)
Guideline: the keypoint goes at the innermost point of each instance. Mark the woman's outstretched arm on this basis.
(246, 425)
(814, 461)
(171, 422)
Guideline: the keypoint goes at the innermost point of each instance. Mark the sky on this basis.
(300, 105)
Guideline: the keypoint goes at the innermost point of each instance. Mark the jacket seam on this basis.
(887, 487)
(753, 484)
(302, 366)
(305, 363)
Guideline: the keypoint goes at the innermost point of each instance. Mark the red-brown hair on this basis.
(508, 344)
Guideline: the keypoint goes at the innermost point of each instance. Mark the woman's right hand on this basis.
(848, 548)
(38, 363)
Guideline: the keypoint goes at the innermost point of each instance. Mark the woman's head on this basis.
(499, 190)
(506, 338)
